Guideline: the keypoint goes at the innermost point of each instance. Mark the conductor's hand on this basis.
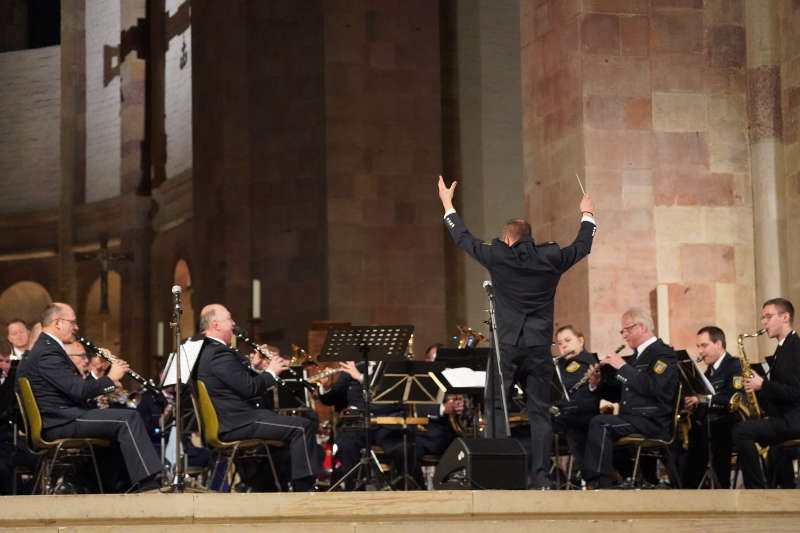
(277, 365)
(118, 370)
(453, 406)
(613, 359)
(446, 194)
(587, 205)
(350, 368)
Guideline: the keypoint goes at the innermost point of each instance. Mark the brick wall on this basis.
(30, 110)
(102, 100)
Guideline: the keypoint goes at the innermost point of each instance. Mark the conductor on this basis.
(524, 276)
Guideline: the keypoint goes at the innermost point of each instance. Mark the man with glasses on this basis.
(61, 393)
(648, 381)
(779, 398)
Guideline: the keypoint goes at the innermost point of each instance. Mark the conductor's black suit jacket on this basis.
(60, 391)
(233, 386)
(525, 277)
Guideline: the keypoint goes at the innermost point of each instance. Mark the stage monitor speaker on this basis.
(482, 464)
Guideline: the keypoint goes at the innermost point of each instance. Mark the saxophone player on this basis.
(713, 421)
(779, 396)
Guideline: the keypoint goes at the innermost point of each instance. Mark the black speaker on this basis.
(482, 464)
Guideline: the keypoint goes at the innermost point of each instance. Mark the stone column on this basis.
(73, 139)
(135, 232)
(766, 147)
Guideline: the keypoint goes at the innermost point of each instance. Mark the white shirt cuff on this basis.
(271, 373)
(587, 218)
(449, 212)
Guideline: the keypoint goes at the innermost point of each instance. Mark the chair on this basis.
(52, 451)
(209, 430)
(657, 447)
(791, 444)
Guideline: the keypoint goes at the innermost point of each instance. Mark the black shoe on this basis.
(305, 484)
(242, 487)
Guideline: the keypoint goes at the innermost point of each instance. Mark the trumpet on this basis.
(145, 383)
(243, 336)
(300, 357)
(468, 338)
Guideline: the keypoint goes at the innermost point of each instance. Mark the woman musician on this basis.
(579, 372)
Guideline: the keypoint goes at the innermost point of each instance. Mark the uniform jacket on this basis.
(649, 383)
(524, 277)
(347, 392)
(572, 371)
(232, 384)
(726, 381)
(61, 392)
(780, 394)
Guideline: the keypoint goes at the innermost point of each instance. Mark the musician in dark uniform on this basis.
(579, 373)
(19, 337)
(62, 394)
(234, 388)
(724, 372)
(779, 399)
(524, 277)
(648, 383)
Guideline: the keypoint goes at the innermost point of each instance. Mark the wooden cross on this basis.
(105, 258)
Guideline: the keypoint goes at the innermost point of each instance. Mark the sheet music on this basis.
(463, 377)
(707, 383)
(190, 351)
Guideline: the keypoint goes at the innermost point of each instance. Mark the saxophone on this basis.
(746, 403)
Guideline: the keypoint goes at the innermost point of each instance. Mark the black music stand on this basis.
(376, 343)
(410, 383)
(696, 383)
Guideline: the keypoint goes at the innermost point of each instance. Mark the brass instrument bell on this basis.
(469, 338)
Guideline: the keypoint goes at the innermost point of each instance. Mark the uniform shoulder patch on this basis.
(737, 382)
(573, 366)
(659, 367)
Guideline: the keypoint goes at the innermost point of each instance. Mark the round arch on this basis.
(24, 300)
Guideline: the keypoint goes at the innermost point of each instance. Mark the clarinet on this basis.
(145, 383)
(243, 336)
(588, 375)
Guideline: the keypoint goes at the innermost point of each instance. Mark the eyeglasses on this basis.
(74, 321)
(627, 329)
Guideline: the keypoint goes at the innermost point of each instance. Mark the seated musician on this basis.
(62, 394)
(724, 372)
(648, 383)
(778, 396)
(576, 365)
(234, 387)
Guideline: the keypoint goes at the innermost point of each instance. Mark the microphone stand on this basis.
(178, 482)
(487, 285)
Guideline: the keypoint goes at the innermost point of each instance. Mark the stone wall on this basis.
(102, 99)
(178, 94)
(790, 93)
(30, 107)
(650, 97)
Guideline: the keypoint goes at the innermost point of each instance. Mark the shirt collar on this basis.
(646, 344)
(218, 340)
(719, 361)
(57, 340)
(780, 342)
(14, 351)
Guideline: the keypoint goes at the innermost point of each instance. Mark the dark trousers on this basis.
(532, 368)
(765, 432)
(433, 440)
(299, 432)
(720, 430)
(123, 426)
(575, 428)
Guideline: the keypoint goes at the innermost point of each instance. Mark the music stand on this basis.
(410, 383)
(376, 343)
(695, 381)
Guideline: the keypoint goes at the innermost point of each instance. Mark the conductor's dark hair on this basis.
(714, 334)
(516, 228)
(783, 305)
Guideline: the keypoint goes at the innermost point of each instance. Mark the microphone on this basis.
(487, 286)
(176, 294)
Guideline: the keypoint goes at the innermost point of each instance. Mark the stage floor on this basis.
(723, 511)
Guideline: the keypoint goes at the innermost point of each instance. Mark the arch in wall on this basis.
(24, 300)
(104, 329)
(182, 276)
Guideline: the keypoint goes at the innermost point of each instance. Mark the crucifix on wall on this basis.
(105, 257)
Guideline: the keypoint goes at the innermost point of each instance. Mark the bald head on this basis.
(216, 321)
(60, 321)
